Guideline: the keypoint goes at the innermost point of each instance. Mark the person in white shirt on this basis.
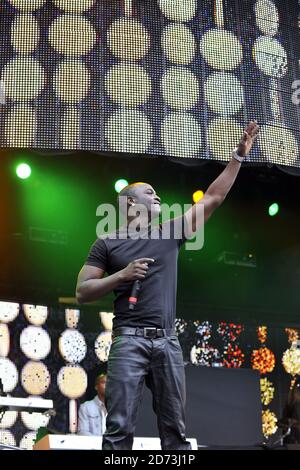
(92, 414)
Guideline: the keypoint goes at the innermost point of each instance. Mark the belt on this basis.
(147, 332)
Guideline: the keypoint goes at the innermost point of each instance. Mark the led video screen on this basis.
(176, 78)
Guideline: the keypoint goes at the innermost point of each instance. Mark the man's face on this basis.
(100, 386)
(146, 195)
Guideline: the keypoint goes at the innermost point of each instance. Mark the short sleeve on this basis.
(174, 229)
(98, 255)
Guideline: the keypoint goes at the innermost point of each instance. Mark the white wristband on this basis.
(237, 156)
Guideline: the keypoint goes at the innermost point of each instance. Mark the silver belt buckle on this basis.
(150, 332)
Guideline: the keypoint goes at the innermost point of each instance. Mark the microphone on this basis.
(134, 294)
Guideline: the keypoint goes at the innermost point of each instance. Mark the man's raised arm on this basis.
(219, 189)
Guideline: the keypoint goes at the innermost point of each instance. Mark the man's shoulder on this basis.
(88, 404)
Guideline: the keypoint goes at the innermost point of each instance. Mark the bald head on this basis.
(141, 193)
(130, 190)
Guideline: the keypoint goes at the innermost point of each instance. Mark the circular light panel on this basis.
(221, 144)
(224, 93)
(181, 135)
(7, 438)
(278, 144)
(180, 88)
(35, 342)
(28, 440)
(128, 39)
(8, 419)
(178, 10)
(35, 314)
(128, 84)
(25, 34)
(17, 88)
(74, 6)
(267, 17)
(8, 311)
(72, 346)
(102, 346)
(72, 35)
(107, 317)
(72, 381)
(35, 378)
(270, 56)
(34, 421)
(4, 340)
(179, 44)
(72, 317)
(27, 5)
(8, 374)
(221, 49)
(72, 81)
(16, 133)
(129, 130)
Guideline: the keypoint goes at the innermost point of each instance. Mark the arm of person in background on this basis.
(91, 285)
(218, 190)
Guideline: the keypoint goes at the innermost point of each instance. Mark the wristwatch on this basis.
(237, 156)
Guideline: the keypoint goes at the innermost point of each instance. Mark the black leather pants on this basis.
(134, 360)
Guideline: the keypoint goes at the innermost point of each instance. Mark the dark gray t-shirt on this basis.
(156, 306)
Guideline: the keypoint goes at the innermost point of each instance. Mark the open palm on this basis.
(250, 134)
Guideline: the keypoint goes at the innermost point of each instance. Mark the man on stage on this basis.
(145, 348)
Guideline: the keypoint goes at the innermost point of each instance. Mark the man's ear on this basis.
(130, 200)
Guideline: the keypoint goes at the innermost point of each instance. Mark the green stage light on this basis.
(120, 184)
(273, 209)
(23, 171)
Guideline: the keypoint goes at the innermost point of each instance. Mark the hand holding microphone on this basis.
(136, 271)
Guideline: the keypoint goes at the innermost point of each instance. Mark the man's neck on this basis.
(132, 223)
(101, 398)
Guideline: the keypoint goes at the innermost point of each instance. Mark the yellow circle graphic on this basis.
(23, 78)
(25, 34)
(224, 93)
(4, 340)
(128, 84)
(35, 378)
(178, 10)
(35, 314)
(267, 17)
(270, 56)
(20, 126)
(129, 130)
(221, 143)
(27, 5)
(221, 49)
(278, 144)
(72, 381)
(72, 81)
(74, 6)
(181, 135)
(179, 44)
(128, 39)
(180, 88)
(72, 35)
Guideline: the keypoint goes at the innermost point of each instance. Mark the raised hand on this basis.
(250, 135)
